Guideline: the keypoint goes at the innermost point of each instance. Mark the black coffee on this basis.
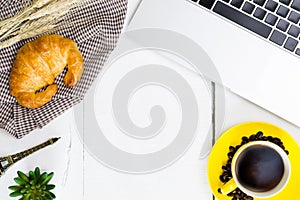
(259, 168)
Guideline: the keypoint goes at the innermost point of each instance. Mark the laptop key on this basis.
(271, 19)
(277, 37)
(237, 3)
(296, 5)
(291, 44)
(282, 25)
(282, 11)
(259, 2)
(242, 19)
(286, 2)
(294, 31)
(294, 17)
(271, 5)
(248, 7)
(207, 3)
(259, 13)
(298, 51)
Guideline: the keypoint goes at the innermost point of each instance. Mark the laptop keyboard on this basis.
(276, 21)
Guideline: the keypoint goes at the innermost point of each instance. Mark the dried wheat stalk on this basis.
(40, 17)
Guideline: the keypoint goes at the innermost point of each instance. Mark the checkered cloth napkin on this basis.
(96, 38)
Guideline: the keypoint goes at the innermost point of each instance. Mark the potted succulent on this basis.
(35, 186)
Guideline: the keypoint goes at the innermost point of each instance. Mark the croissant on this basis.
(36, 66)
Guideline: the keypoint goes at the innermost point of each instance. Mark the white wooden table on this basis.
(80, 176)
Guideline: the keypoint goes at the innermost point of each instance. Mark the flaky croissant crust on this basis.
(38, 63)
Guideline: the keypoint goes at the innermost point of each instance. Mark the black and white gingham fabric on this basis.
(95, 28)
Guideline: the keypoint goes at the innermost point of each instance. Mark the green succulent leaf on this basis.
(19, 181)
(50, 187)
(23, 176)
(47, 179)
(15, 194)
(15, 187)
(37, 172)
(48, 196)
(51, 195)
(32, 175)
(43, 177)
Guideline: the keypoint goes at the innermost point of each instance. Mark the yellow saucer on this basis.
(233, 137)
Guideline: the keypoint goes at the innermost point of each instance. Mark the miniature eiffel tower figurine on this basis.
(8, 161)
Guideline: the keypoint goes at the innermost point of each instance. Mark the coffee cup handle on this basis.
(228, 187)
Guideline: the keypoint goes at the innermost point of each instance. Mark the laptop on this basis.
(254, 44)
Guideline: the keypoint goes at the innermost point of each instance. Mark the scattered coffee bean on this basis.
(231, 194)
(229, 161)
(270, 138)
(226, 175)
(276, 140)
(264, 138)
(221, 177)
(287, 152)
(252, 138)
(245, 139)
(231, 149)
(230, 155)
(259, 135)
(225, 169)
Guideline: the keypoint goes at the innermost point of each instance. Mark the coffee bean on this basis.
(245, 139)
(287, 152)
(221, 177)
(248, 198)
(228, 166)
(229, 162)
(219, 191)
(243, 195)
(270, 138)
(226, 173)
(237, 196)
(259, 135)
(252, 138)
(276, 140)
(227, 179)
(225, 169)
(231, 194)
(231, 149)
(244, 142)
(230, 155)
(281, 145)
(264, 138)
